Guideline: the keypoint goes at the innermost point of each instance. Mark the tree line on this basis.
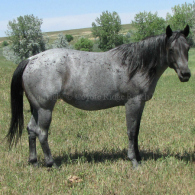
(26, 38)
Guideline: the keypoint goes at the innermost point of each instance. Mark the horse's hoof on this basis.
(52, 165)
(33, 162)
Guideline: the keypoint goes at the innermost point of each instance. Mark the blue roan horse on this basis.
(124, 76)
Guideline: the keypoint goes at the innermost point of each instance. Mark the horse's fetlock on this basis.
(131, 155)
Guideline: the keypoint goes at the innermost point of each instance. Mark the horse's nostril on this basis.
(186, 74)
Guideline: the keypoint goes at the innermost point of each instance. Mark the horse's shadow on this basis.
(103, 156)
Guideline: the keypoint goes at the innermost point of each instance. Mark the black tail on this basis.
(17, 118)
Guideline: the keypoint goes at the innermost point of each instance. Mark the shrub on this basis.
(60, 42)
(84, 44)
(5, 43)
(69, 38)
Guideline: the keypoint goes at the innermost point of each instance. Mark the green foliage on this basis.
(60, 42)
(127, 38)
(107, 28)
(182, 15)
(147, 24)
(119, 40)
(69, 38)
(5, 43)
(25, 37)
(84, 44)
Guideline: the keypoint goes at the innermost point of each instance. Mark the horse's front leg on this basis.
(134, 108)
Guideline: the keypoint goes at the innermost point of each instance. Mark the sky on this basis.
(75, 14)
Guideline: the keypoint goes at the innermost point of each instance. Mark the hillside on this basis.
(86, 32)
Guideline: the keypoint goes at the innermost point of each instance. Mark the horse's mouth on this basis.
(184, 76)
(184, 79)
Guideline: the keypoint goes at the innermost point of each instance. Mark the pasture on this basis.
(91, 147)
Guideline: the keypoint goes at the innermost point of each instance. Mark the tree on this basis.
(60, 42)
(69, 38)
(182, 15)
(107, 28)
(147, 24)
(25, 36)
(84, 44)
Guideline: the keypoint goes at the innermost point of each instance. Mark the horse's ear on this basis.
(169, 31)
(186, 30)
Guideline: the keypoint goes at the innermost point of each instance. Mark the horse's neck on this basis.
(162, 66)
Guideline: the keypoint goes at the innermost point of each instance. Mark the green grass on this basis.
(1, 52)
(93, 145)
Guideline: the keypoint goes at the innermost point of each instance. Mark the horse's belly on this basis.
(93, 104)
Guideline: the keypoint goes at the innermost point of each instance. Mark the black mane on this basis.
(145, 55)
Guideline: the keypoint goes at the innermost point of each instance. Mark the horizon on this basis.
(80, 15)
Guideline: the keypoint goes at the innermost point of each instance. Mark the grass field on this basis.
(91, 147)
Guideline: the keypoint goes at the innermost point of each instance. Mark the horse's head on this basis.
(177, 52)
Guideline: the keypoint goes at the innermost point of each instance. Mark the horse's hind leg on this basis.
(31, 128)
(44, 120)
(38, 126)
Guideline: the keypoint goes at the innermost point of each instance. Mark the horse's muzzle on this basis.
(184, 76)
